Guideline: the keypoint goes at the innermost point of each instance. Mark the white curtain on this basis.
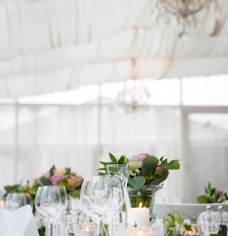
(81, 136)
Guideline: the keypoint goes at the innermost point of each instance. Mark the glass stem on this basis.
(53, 229)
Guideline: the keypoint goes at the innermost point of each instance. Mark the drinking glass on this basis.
(40, 215)
(104, 197)
(51, 203)
(17, 200)
(121, 171)
(86, 202)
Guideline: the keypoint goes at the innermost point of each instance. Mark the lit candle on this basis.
(2, 204)
(140, 233)
(86, 230)
(139, 216)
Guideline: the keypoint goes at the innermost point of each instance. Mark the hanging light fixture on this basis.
(189, 14)
(135, 93)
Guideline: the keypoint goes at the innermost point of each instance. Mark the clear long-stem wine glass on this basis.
(39, 211)
(17, 200)
(53, 205)
(105, 197)
(86, 203)
(120, 171)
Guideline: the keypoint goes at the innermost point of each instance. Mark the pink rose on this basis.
(136, 161)
(56, 179)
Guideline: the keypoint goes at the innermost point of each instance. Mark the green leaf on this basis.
(68, 171)
(102, 168)
(12, 189)
(113, 158)
(137, 182)
(203, 199)
(149, 165)
(187, 227)
(179, 220)
(172, 165)
(161, 178)
(123, 160)
(51, 171)
(212, 191)
(45, 181)
(169, 222)
(41, 231)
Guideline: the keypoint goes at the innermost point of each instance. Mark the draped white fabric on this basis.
(53, 45)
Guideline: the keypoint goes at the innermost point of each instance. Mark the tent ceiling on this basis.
(56, 45)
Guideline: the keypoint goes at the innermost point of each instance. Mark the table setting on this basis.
(118, 201)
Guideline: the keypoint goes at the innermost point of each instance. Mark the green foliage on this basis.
(41, 231)
(11, 189)
(137, 183)
(212, 195)
(174, 224)
(113, 160)
(155, 170)
(45, 181)
(149, 165)
(149, 170)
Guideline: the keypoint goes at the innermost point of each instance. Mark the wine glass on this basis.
(39, 211)
(121, 171)
(51, 202)
(17, 200)
(85, 196)
(104, 197)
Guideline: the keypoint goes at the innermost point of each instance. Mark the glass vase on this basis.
(144, 197)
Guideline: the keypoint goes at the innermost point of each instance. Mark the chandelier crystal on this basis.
(189, 14)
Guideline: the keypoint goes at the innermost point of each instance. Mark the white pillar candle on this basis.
(138, 216)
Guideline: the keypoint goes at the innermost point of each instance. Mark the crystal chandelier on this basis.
(189, 14)
(134, 93)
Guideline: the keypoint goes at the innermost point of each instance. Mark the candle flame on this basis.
(86, 227)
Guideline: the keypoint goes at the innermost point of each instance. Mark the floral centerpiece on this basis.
(146, 175)
(54, 176)
(144, 169)
(63, 177)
